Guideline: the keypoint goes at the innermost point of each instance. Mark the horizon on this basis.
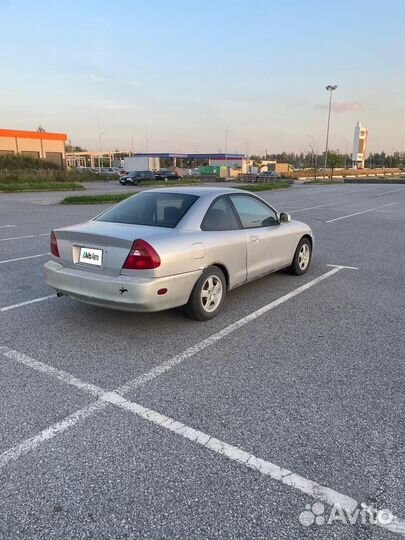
(181, 78)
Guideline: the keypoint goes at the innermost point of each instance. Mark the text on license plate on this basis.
(91, 256)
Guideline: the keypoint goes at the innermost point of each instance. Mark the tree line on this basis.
(336, 159)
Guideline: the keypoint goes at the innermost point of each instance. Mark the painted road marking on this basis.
(341, 266)
(19, 450)
(194, 349)
(390, 191)
(359, 213)
(21, 237)
(24, 258)
(310, 208)
(231, 452)
(7, 226)
(70, 421)
(241, 457)
(34, 301)
(58, 374)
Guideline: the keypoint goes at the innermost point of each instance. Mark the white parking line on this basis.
(15, 452)
(21, 237)
(60, 427)
(7, 226)
(340, 266)
(58, 374)
(191, 351)
(241, 457)
(310, 208)
(390, 191)
(24, 258)
(231, 452)
(359, 213)
(34, 301)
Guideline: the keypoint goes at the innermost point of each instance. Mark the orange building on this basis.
(37, 144)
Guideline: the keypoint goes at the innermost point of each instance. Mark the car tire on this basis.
(204, 303)
(135, 182)
(302, 257)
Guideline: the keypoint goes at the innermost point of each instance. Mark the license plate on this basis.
(91, 256)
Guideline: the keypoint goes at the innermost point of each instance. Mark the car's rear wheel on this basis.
(302, 257)
(208, 295)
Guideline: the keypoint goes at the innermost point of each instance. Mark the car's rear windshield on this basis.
(152, 209)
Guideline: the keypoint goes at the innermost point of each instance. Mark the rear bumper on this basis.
(125, 293)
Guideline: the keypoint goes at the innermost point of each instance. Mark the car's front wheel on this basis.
(208, 295)
(302, 257)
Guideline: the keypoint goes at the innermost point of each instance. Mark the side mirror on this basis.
(285, 218)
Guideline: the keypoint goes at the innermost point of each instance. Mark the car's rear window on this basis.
(152, 209)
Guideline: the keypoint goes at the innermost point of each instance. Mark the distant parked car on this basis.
(167, 175)
(136, 177)
(267, 176)
(113, 171)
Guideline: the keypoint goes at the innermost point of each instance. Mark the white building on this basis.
(359, 146)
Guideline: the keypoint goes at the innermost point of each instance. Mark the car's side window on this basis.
(253, 213)
(220, 217)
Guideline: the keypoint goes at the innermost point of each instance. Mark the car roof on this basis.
(200, 191)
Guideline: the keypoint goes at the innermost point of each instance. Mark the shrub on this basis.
(17, 161)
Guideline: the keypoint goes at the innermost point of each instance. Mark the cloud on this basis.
(341, 106)
(110, 80)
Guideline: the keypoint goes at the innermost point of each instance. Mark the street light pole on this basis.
(330, 88)
(226, 150)
(99, 156)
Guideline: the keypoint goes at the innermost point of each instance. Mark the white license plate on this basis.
(91, 256)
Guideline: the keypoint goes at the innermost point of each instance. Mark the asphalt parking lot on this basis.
(118, 425)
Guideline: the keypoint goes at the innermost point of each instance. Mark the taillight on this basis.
(54, 245)
(142, 256)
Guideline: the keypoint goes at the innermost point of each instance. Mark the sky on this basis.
(178, 75)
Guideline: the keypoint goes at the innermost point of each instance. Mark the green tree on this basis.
(73, 148)
(335, 159)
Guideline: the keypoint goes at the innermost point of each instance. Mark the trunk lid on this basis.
(109, 241)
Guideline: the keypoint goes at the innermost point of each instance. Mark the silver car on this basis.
(171, 247)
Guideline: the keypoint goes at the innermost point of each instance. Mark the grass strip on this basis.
(40, 186)
(266, 186)
(107, 198)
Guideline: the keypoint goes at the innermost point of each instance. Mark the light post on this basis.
(99, 156)
(330, 88)
(226, 150)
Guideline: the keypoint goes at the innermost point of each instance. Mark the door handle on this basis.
(254, 238)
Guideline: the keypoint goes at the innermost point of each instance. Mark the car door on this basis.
(270, 244)
(224, 241)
